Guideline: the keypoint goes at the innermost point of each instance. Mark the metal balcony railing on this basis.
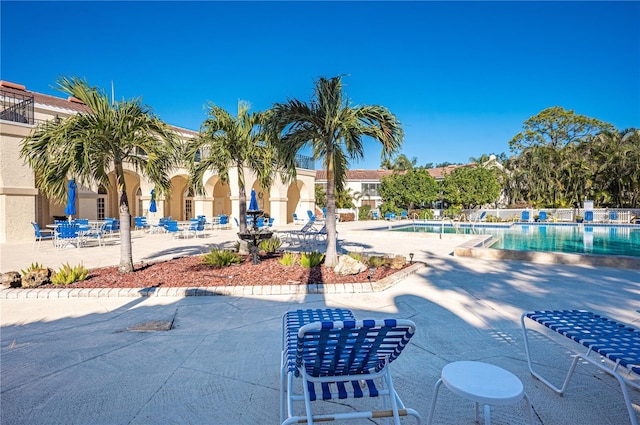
(16, 107)
(305, 162)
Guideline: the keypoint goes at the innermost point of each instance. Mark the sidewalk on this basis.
(84, 360)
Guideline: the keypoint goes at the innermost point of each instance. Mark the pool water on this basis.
(604, 240)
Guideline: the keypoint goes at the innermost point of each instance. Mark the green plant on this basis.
(311, 259)
(289, 259)
(364, 213)
(271, 245)
(67, 275)
(453, 211)
(376, 261)
(221, 258)
(355, 255)
(427, 214)
(32, 267)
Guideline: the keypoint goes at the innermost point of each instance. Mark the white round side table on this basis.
(481, 383)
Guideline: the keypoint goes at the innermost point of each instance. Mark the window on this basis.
(370, 189)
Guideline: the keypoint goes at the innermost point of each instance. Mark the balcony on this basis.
(16, 107)
(305, 162)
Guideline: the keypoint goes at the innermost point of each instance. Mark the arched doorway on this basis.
(263, 196)
(221, 198)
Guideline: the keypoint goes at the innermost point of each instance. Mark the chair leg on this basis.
(433, 401)
(529, 409)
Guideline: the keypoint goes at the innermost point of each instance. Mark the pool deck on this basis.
(89, 361)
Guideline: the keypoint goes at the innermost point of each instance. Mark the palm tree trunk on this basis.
(331, 257)
(126, 257)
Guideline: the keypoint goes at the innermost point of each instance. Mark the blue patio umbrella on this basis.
(70, 209)
(152, 205)
(253, 205)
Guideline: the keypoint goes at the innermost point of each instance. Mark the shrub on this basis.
(32, 267)
(311, 259)
(289, 259)
(347, 217)
(68, 275)
(356, 256)
(364, 212)
(427, 214)
(376, 261)
(221, 258)
(453, 211)
(271, 245)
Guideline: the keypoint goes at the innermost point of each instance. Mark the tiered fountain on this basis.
(252, 234)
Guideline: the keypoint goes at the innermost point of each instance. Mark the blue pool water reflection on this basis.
(605, 240)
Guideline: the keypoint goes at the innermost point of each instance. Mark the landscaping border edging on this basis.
(234, 291)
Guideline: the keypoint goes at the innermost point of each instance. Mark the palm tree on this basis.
(88, 146)
(225, 142)
(617, 154)
(333, 129)
(400, 163)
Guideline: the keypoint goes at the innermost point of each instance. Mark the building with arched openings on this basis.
(22, 203)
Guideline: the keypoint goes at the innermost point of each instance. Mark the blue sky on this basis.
(462, 77)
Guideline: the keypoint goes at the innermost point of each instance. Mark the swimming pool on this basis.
(564, 238)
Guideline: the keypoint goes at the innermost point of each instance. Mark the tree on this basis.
(225, 142)
(557, 127)
(554, 152)
(415, 187)
(482, 159)
(345, 198)
(334, 130)
(617, 156)
(471, 187)
(320, 195)
(399, 163)
(88, 146)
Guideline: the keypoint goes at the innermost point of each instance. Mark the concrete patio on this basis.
(84, 361)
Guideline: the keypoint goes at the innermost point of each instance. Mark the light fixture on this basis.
(371, 271)
(411, 258)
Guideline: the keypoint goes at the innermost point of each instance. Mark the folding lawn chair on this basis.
(294, 236)
(292, 321)
(345, 359)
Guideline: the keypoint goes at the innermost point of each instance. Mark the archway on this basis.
(293, 199)
(175, 205)
(263, 196)
(221, 198)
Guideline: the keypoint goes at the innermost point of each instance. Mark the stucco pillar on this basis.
(17, 187)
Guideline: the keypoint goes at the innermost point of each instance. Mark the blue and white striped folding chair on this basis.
(67, 235)
(612, 347)
(292, 321)
(348, 359)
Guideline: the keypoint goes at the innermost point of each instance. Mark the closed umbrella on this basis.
(152, 205)
(70, 209)
(253, 204)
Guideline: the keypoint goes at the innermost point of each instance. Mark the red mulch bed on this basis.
(190, 272)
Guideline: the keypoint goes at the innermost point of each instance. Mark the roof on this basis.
(377, 175)
(70, 103)
(440, 172)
